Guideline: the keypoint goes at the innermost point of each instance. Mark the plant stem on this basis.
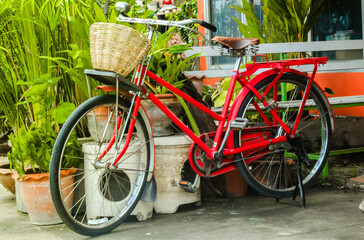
(189, 116)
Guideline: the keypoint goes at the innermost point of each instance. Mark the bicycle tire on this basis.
(272, 172)
(101, 198)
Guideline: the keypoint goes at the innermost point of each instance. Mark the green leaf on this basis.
(36, 90)
(220, 100)
(62, 112)
(100, 17)
(48, 102)
(178, 48)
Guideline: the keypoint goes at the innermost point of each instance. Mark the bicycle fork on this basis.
(117, 137)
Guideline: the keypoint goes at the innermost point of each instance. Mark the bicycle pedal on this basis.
(187, 186)
(239, 123)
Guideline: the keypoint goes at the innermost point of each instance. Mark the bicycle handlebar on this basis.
(154, 22)
(209, 26)
(124, 7)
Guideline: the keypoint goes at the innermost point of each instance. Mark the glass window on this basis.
(340, 20)
(221, 17)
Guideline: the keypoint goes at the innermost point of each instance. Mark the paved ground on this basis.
(330, 214)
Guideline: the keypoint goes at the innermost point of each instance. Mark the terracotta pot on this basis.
(161, 124)
(34, 189)
(236, 185)
(5, 177)
(19, 199)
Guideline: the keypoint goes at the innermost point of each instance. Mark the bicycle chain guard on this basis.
(202, 165)
(206, 167)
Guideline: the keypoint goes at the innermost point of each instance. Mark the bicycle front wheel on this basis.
(99, 198)
(272, 171)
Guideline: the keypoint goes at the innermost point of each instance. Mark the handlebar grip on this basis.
(209, 26)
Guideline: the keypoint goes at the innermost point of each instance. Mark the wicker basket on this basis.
(116, 48)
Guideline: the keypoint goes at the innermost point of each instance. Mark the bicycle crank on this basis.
(203, 165)
(200, 161)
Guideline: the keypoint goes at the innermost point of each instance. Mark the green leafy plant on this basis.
(168, 63)
(32, 148)
(219, 96)
(40, 95)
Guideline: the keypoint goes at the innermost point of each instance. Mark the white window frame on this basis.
(310, 46)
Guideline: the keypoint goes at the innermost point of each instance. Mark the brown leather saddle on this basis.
(236, 43)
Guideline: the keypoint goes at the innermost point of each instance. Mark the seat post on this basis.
(238, 63)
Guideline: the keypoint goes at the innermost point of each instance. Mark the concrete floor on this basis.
(329, 215)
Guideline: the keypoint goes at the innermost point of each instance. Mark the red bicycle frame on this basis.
(278, 68)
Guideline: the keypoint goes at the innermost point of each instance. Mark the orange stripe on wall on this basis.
(201, 15)
(211, 81)
(343, 84)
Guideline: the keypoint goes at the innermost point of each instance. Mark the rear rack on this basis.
(253, 67)
(110, 78)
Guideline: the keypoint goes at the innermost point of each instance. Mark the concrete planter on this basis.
(99, 205)
(171, 153)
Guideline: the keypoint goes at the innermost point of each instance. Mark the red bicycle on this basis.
(276, 133)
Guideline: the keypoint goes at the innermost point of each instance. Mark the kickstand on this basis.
(299, 184)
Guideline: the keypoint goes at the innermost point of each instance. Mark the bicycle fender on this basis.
(145, 117)
(244, 92)
(322, 95)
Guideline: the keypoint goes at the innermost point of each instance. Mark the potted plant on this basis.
(30, 157)
(60, 50)
(32, 147)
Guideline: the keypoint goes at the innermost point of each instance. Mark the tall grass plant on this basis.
(44, 48)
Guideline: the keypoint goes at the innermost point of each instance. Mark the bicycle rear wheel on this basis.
(100, 198)
(272, 171)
